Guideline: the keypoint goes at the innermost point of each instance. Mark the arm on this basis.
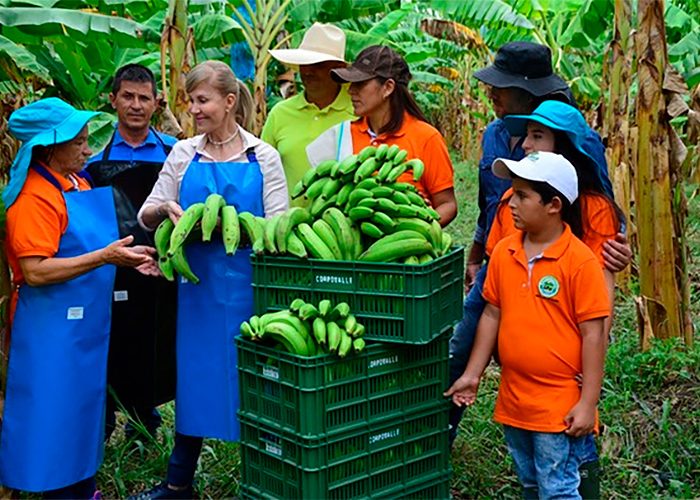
(581, 418)
(475, 260)
(445, 204)
(40, 271)
(275, 194)
(463, 391)
(610, 285)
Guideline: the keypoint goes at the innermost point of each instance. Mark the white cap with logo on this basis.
(551, 168)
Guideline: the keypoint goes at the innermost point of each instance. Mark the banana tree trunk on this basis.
(617, 118)
(177, 47)
(661, 235)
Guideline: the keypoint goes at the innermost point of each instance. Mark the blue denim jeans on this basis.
(462, 341)
(546, 461)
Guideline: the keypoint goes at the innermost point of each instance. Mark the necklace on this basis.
(225, 141)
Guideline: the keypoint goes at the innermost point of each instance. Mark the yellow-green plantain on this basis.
(369, 184)
(295, 246)
(385, 170)
(411, 260)
(296, 304)
(400, 157)
(166, 268)
(308, 312)
(325, 232)
(399, 198)
(398, 237)
(288, 221)
(316, 188)
(396, 172)
(369, 203)
(348, 165)
(358, 345)
(350, 324)
(340, 311)
(357, 195)
(383, 222)
(324, 308)
(446, 243)
(416, 164)
(230, 229)
(342, 229)
(391, 251)
(331, 187)
(313, 243)
(319, 329)
(212, 205)
(247, 330)
(182, 267)
(365, 170)
(345, 344)
(425, 258)
(324, 168)
(161, 237)
(334, 336)
(360, 213)
(322, 205)
(392, 152)
(293, 338)
(184, 226)
(344, 194)
(380, 154)
(371, 230)
(419, 226)
(366, 153)
(269, 233)
(251, 226)
(383, 192)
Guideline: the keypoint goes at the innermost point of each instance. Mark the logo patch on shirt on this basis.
(548, 286)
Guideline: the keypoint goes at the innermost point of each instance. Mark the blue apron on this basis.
(56, 382)
(209, 314)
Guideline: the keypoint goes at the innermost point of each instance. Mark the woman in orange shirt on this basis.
(388, 114)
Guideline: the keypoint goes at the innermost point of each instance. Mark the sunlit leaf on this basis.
(23, 59)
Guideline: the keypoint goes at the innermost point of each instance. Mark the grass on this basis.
(650, 408)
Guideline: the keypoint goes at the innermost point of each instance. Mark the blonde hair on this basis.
(223, 79)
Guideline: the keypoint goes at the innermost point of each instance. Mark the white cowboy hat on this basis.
(321, 43)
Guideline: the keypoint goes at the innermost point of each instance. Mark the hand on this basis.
(463, 391)
(119, 253)
(579, 380)
(580, 420)
(171, 209)
(617, 253)
(470, 276)
(150, 268)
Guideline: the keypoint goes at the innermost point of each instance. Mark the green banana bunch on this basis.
(212, 205)
(306, 329)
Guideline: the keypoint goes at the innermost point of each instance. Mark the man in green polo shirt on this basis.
(295, 122)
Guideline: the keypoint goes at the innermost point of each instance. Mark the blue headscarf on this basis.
(42, 123)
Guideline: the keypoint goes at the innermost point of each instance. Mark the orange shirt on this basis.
(421, 140)
(539, 342)
(599, 222)
(37, 220)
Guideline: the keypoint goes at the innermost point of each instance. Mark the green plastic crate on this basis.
(314, 396)
(407, 454)
(396, 302)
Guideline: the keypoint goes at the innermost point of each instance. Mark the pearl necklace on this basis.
(218, 144)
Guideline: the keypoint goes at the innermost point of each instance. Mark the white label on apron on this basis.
(75, 313)
(121, 295)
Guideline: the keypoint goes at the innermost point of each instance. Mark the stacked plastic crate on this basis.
(374, 424)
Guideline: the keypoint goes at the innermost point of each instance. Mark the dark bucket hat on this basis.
(374, 61)
(523, 65)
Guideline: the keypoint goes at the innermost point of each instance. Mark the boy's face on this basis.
(529, 212)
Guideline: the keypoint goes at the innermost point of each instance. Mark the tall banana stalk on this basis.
(261, 32)
(617, 118)
(177, 48)
(661, 234)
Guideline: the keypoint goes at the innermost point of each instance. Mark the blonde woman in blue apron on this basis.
(228, 160)
(62, 244)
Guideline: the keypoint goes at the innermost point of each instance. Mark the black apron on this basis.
(141, 366)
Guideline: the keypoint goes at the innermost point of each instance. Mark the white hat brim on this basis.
(300, 57)
(505, 169)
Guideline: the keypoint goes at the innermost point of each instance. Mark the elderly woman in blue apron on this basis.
(228, 160)
(62, 245)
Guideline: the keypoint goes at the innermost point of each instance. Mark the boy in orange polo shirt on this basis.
(546, 303)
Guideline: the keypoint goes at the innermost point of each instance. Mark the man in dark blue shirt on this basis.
(141, 354)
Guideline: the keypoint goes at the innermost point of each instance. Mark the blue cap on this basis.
(555, 115)
(42, 123)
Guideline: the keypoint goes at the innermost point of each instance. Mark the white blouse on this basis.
(167, 187)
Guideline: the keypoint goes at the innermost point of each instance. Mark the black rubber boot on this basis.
(162, 491)
(589, 489)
